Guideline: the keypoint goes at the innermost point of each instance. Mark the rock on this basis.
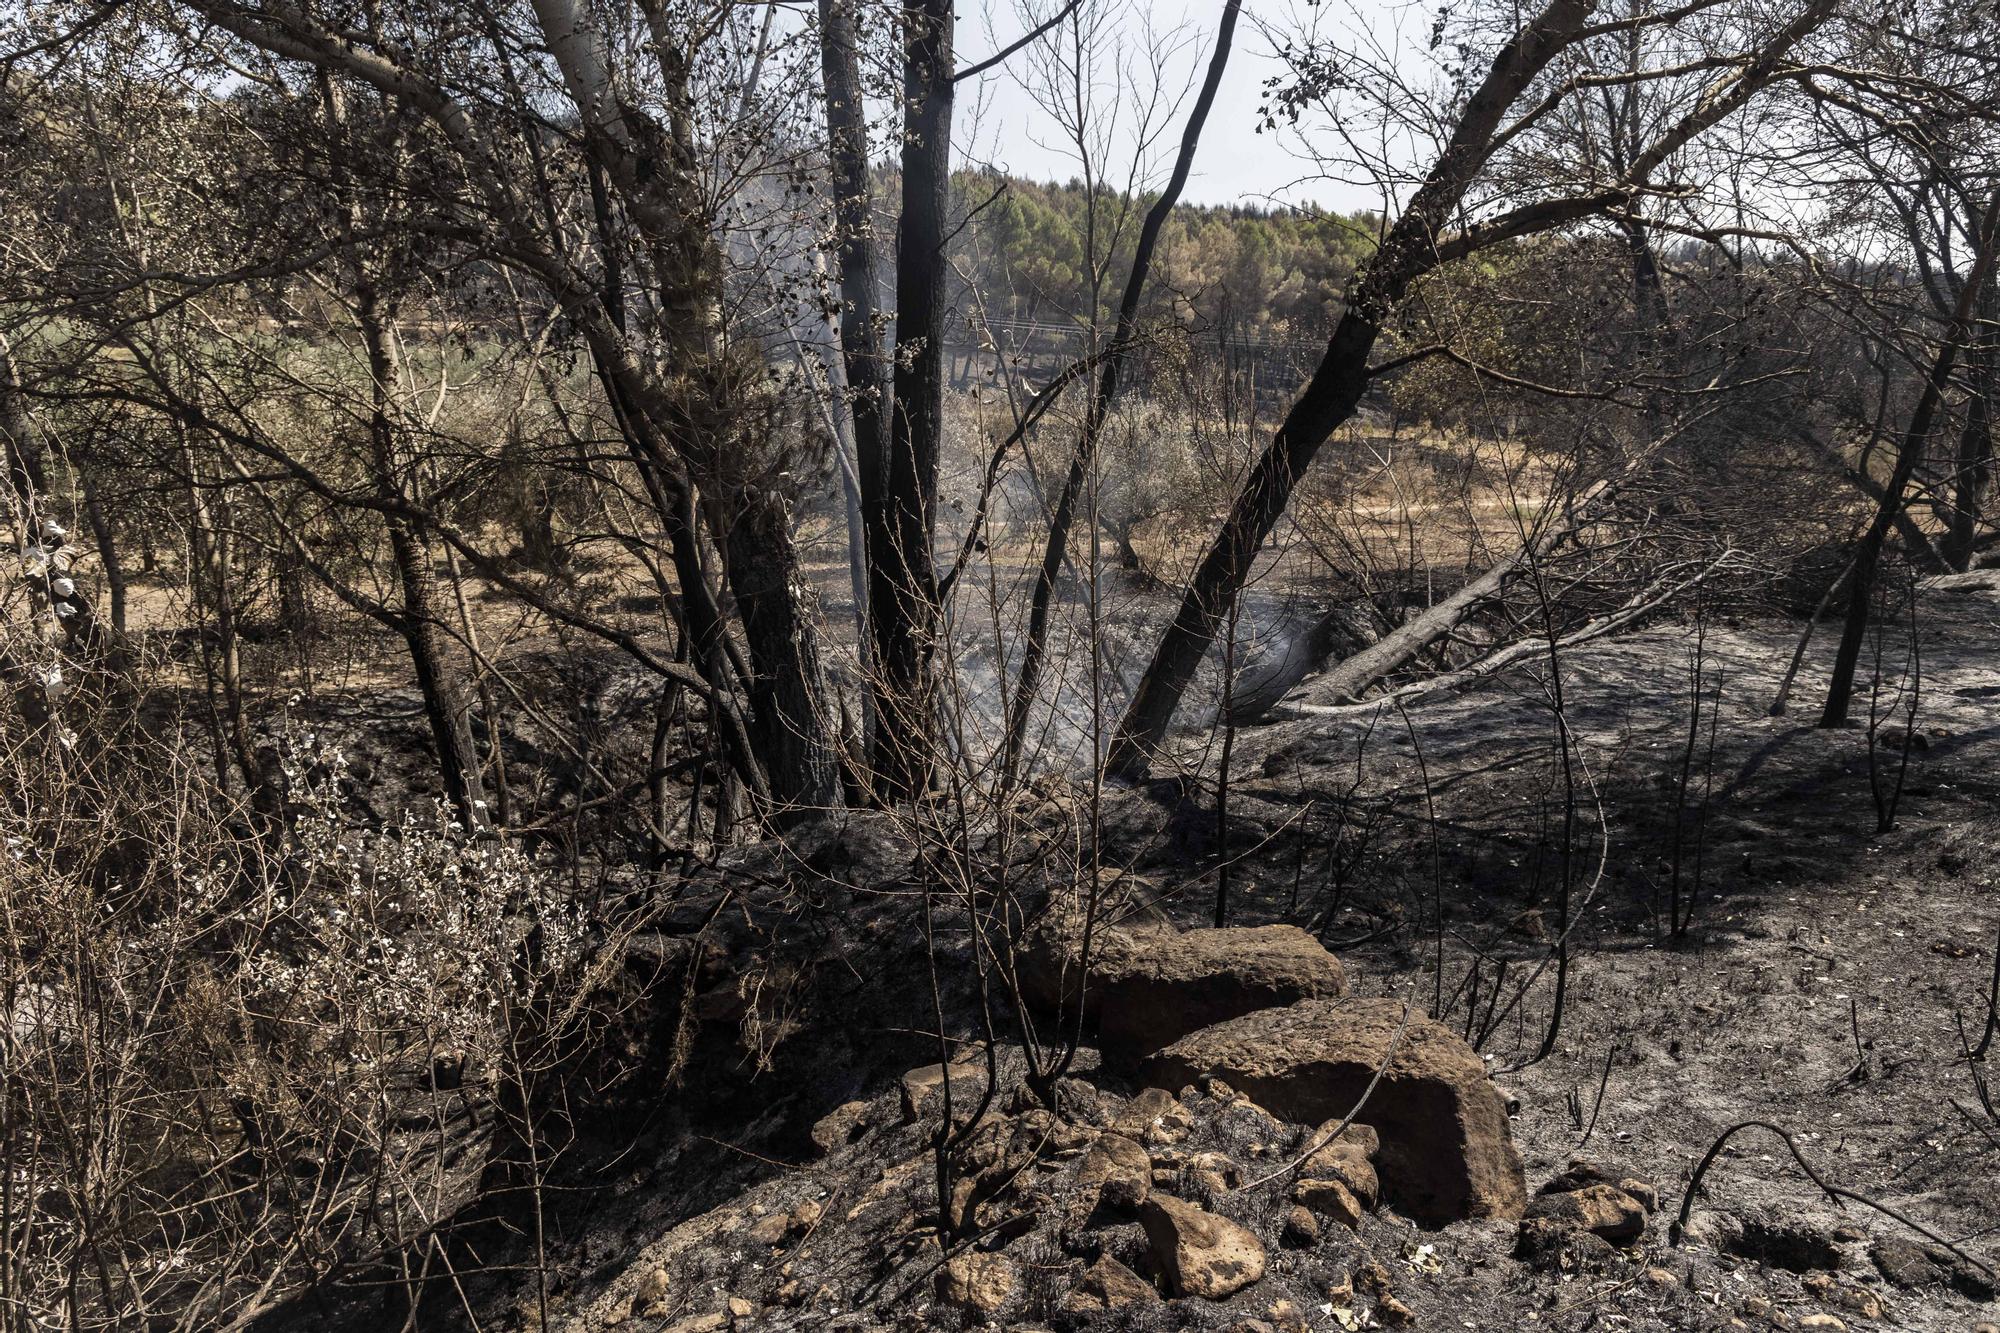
(920, 1085)
(740, 1308)
(1855, 1299)
(1346, 1159)
(1109, 1285)
(977, 1281)
(1301, 1228)
(1329, 1198)
(841, 1126)
(1579, 1174)
(1908, 1264)
(1394, 1313)
(1215, 1172)
(1287, 1318)
(1199, 1253)
(651, 1291)
(701, 1323)
(1119, 1169)
(1446, 1149)
(1604, 1210)
(1826, 1323)
(1557, 1246)
(1155, 1116)
(1150, 986)
(1659, 1279)
(770, 1229)
(1250, 1326)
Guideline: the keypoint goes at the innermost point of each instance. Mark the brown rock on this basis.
(770, 1229)
(1859, 1300)
(1906, 1263)
(1346, 1160)
(1287, 1318)
(1119, 1169)
(1394, 1313)
(1825, 1323)
(977, 1281)
(1197, 1252)
(1301, 1228)
(740, 1308)
(1447, 1151)
(1154, 1117)
(1149, 986)
(1109, 1285)
(701, 1323)
(922, 1084)
(1329, 1198)
(840, 1126)
(1603, 1210)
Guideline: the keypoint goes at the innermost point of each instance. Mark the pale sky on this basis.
(1001, 123)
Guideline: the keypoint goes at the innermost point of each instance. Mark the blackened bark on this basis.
(859, 322)
(444, 702)
(1868, 555)
(787, 691)
(903, 592)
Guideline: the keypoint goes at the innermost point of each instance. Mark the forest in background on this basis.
(542, 555)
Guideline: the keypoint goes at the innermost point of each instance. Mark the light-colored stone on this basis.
(1603, 1210)
(1199, 1253)
(1301, 1227)
(1109, 1285)
(712, 1322)
(1120, 1171)
(1150, 985)
(978, 1281)
(1447, 1151)
(1329, 1198)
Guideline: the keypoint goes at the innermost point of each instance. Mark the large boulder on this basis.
(1148, 985)
(1446, 1150)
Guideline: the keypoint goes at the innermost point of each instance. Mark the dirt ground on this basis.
(1820, 988)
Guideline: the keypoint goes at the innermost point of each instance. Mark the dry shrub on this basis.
(244, 1056)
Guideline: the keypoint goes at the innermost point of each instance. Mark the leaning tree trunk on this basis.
(1868, 556)
(1415, 245)
(903, 592)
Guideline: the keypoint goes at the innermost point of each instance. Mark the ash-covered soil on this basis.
(1828, 967)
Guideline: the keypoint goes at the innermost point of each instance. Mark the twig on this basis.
(1678, 1231)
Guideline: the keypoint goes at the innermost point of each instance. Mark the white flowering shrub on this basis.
(237, 1060)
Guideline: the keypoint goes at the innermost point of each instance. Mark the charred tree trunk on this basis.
(1333, 392)
(1868, 556)
(1415, 244)
(903, 592)
(446, 709)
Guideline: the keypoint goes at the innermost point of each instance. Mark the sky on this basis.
(1002, 125)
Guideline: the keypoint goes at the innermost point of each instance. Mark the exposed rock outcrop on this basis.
(1146, 986)
(1446, 1150)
